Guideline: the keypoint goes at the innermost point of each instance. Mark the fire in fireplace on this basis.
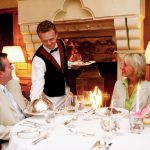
(102, 73)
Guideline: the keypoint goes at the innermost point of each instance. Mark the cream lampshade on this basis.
(15, 55)
(147, 54)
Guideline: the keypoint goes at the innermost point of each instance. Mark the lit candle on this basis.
(137, 97)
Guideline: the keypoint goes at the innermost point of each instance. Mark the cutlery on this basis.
(101, 145)
(27, 125)
(96, 144)
(42, 137)
(21, 131)
(34, 123)
(68, 121)
(74, 131)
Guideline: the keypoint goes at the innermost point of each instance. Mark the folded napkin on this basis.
(143, 112)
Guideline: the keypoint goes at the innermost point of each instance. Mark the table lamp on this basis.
(14, 54)
(147, 56)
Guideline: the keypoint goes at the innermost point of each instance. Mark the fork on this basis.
(101, 145)
(96, 144)
(44, 136)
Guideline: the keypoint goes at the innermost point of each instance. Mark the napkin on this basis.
(143, 112)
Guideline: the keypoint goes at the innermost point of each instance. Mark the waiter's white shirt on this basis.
(38, 80)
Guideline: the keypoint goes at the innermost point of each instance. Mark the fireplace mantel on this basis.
(85, 28)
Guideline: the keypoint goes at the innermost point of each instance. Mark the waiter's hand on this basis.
(75, 67)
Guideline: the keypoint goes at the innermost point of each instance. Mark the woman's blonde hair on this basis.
(138, 62)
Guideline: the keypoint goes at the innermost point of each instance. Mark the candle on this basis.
(112, 105)
(112, 102)
(137, 97)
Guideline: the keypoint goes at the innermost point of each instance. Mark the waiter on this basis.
(49, 68)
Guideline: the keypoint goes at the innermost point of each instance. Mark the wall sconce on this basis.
(147, 54)
(15, 55)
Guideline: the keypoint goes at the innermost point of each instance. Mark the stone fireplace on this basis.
(108, 31)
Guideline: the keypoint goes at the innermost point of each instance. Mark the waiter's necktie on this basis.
(53, 50)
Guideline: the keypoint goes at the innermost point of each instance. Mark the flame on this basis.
(94, 99)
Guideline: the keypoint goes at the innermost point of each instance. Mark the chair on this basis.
(26, 91)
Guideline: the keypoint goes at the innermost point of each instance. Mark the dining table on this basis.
(80, 130)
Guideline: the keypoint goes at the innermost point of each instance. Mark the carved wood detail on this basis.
(85, 28)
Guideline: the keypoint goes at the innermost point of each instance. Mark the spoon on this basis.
(75, 117)
(42, 137)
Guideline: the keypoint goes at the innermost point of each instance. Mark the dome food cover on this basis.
(40, 105)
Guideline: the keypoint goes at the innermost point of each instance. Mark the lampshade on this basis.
(147, 54)
(14, 53)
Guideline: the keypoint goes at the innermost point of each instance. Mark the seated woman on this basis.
(125, 91)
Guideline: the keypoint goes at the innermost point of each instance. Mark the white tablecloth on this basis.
(61, 139)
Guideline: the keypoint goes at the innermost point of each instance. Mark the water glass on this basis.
(79, 100)
(70, 109)
(108, 123)
(50, 118)
(136, 124)
(87, 102)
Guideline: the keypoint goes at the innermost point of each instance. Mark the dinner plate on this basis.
(81, 63)
(33, 114)
(28, 134)
(120, 112)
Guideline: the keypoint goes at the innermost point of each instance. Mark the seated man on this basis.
(12, 101)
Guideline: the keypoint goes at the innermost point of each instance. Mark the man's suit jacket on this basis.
(119, 95)
(8, 115)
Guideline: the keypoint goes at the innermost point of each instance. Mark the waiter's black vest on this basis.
(55, 76)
